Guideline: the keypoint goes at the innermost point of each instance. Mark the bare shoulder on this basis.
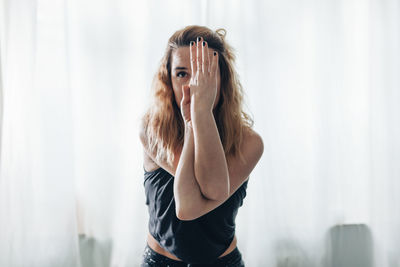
(252, 148)
(254, 141)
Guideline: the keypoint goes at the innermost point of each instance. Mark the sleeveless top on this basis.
(199, 241)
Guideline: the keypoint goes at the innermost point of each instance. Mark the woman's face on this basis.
(181, 72)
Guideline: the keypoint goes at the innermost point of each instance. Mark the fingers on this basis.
(193, 64)
(205, 58)
(200, 61)
(199, 54)
(214, 64)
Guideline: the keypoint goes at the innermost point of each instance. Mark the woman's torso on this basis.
(149, 166)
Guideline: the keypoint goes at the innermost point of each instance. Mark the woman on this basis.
(199, 150)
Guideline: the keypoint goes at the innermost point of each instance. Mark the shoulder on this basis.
(251, 149)
(252, 145)
(254, 139)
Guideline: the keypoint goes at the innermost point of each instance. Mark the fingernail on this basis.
(204, 43)
(198, 39)
(191, 43)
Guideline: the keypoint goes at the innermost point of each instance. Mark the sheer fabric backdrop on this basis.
(321, 81)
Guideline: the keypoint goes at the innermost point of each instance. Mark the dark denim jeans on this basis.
(153, 259)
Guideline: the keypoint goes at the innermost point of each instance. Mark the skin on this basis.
(201, 84)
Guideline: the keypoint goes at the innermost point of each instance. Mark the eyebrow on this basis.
(180, 68)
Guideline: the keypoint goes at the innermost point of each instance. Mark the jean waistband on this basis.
(231, 257)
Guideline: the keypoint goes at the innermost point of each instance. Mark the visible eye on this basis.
(179, 74)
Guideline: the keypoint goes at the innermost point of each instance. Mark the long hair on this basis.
(163, 123)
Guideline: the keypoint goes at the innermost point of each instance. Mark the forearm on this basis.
(210, 167)
(187, 192)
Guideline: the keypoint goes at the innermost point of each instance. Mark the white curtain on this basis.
(322, 83)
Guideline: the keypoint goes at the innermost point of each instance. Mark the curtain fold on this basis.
(37, 210)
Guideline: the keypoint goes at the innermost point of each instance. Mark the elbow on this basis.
(187, 213)
(181, 216)
(184, 215)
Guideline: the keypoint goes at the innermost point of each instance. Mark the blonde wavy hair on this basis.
(163, 124)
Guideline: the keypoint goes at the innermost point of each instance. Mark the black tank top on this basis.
(201, 240)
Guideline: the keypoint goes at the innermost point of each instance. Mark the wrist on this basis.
(202, 115)
(199, 108)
